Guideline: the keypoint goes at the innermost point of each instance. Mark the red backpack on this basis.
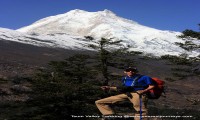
(157, 91)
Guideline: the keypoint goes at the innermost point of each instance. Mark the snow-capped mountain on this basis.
(54, 40)
(68, 30)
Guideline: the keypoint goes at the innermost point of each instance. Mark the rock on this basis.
(21, 89)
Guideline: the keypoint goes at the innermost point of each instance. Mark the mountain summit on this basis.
(108, 25)
(79, 22)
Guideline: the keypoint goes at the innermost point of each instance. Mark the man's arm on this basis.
(146, 90)
(109, 88)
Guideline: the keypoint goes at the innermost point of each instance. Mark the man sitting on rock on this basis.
(134, 87)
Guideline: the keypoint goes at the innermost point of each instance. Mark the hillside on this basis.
(181, 80)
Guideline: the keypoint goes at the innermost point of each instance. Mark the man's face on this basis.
(129, 73)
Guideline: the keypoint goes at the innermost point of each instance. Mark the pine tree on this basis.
(104, 55)
(63, 89)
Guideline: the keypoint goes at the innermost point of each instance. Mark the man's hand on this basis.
(105, 87)
(140, 92)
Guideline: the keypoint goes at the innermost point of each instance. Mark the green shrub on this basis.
(190, 33)
(177, 60)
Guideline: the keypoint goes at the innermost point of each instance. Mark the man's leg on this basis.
(103, 104)
(136, 104)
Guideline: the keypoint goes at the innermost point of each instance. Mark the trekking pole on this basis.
(140, 96)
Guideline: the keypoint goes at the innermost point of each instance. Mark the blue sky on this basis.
(174, 15)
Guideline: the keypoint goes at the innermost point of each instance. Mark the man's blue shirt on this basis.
(142, 83)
